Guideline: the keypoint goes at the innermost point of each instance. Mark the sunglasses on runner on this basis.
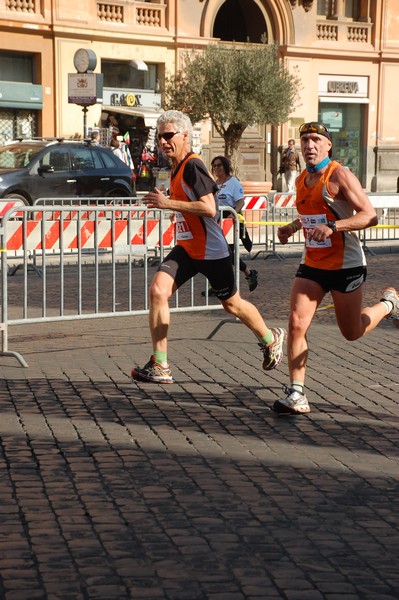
(167, 135)
(314, 127)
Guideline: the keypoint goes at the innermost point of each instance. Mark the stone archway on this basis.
(243, 21)
(240, 21)
(273, 16)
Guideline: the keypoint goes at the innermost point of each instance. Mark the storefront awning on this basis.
(343, 100)
(149, 115)
(21, 95)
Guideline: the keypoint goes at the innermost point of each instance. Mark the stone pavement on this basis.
(112, 490)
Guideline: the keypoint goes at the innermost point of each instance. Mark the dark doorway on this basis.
(240, 21)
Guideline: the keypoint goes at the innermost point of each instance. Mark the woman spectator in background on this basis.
(231, 193)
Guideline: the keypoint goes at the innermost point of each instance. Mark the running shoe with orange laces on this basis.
(153, 372)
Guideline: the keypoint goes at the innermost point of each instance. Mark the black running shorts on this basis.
(340, 280)
(220, 273)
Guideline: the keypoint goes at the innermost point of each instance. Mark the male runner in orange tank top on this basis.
(201, 248)
(332, 205)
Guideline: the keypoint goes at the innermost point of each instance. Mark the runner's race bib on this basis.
(182, 229)
(309, 222)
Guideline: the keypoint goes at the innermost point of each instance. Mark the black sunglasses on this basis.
(313, 127)
(167, 135)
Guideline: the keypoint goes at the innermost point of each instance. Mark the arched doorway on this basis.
(240, 21)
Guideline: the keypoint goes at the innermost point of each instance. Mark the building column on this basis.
(338, 10)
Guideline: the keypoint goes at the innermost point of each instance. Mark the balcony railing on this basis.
(112, 13)
(336, 31)
(148, 15)
(144, 14)
(127, 13)
(25, 6)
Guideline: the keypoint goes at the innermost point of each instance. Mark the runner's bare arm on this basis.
(286, 231)
(343, 184)
(205, 206)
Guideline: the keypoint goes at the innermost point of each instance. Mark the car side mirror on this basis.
(45, 169)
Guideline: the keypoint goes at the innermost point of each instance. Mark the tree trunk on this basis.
(232, 137)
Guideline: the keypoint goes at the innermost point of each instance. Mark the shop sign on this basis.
(131, 98)
(343, 85)
(85, 88)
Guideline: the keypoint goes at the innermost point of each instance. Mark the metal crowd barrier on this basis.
(261, 224)
(101, 201)
(105, 203)
(387, 230)
(255, 212)
(88, 287)
(130, 235)
(281, 209)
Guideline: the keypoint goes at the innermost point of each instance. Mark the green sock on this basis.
(298, 386)
(160, 357)
(267, 339)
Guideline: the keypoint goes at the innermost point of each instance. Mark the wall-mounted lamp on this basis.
(138, 64)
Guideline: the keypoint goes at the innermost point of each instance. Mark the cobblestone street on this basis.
(113, 490)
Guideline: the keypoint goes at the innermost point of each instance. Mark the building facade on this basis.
(345, 52)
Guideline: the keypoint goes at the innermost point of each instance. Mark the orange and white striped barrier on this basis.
(6, 205)
(284, 200)
(228, 230)
(255, 203)
(47, 242)
(55, 215)
(100, 233)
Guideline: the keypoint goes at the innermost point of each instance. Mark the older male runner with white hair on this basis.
(200, 248)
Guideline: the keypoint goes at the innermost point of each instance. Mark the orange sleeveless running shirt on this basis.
(201, 237)
(317, 205)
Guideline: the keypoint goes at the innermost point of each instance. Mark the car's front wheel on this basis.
(118, 193)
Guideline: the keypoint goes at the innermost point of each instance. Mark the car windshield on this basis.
(17, 156)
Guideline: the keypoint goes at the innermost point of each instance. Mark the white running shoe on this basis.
(294, 403)
(390, 294)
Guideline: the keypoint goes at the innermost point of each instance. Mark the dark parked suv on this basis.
(31, 169)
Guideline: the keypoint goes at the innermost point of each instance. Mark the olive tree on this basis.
(235, 87)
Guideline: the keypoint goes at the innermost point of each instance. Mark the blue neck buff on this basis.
(320, 166)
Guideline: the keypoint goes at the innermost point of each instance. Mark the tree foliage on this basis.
(235, 86)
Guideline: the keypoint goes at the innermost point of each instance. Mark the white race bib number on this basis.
(182, 229)
(309, 222)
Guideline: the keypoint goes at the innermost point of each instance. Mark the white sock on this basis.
(388, 305)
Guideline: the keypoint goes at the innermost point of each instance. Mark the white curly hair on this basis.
(181, 121)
